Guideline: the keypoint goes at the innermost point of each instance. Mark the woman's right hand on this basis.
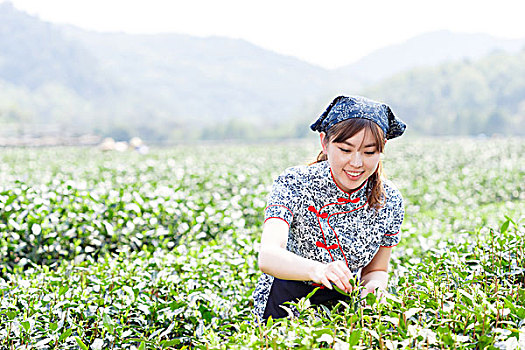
(276, 261)
(336, 272)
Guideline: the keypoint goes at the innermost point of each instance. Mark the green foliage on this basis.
(461, 98)
(126, 251)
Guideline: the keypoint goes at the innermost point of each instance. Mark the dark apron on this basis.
(285, 290)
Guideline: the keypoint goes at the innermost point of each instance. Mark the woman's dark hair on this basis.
(348, 128)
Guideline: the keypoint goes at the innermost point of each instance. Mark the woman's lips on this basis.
(354, 175)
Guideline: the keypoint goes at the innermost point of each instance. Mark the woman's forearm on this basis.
(276, 261)
(283, 264)
(375, 279)
(375, 274)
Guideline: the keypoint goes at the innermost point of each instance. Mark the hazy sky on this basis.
(329, 33)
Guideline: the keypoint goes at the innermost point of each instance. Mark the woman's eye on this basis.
(345, 150)
(370, 153)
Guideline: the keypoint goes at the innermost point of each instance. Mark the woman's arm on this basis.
(275, 260)
(375, 274)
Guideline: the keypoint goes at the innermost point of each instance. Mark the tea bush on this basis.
(129, 251)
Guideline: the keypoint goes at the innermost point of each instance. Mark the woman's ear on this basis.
(322, 135)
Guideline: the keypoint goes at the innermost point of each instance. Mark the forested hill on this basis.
(428, 49)
(169, 86)
(486, 96)
(160, 86)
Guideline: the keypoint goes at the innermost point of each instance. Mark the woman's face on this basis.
(353, 160)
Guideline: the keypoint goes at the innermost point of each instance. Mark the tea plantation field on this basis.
(129, 251)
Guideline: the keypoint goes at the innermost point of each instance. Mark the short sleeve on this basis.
(395, 213)
(283, 197)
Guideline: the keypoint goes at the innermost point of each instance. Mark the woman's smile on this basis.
(354, 175)
(352, 161)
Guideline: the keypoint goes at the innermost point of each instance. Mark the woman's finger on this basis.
(370, 288)
(325, 282)
(344, 275)
(345, 278)
(336, 279)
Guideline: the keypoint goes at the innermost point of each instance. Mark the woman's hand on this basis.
(374, 276)
(336, 272)
(376, 287)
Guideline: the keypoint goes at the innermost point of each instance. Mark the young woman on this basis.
(336, 218)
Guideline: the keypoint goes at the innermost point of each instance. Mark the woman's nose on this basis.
(356, 160)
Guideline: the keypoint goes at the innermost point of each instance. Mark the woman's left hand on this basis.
(376, 287)
(374, 276)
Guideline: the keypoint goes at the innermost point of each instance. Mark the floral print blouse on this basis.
(327, 223)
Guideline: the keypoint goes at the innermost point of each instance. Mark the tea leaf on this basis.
(81, 344)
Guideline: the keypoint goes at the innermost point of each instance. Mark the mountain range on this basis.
(174, 86)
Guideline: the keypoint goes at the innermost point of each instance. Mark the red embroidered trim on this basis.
(339, 243)
(345, 212)
(322, 245)
(341, 200)
(391, 234)
(335, 233)
(279, 205)
(321, 286)
(348, 200)
(389, 246)
(324, 238)
(276, 217)
(322, 215)
(349, 193)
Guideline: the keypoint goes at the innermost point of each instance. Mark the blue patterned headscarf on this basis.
(343, 108)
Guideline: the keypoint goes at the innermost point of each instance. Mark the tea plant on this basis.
(466, 294)
(129, 251)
